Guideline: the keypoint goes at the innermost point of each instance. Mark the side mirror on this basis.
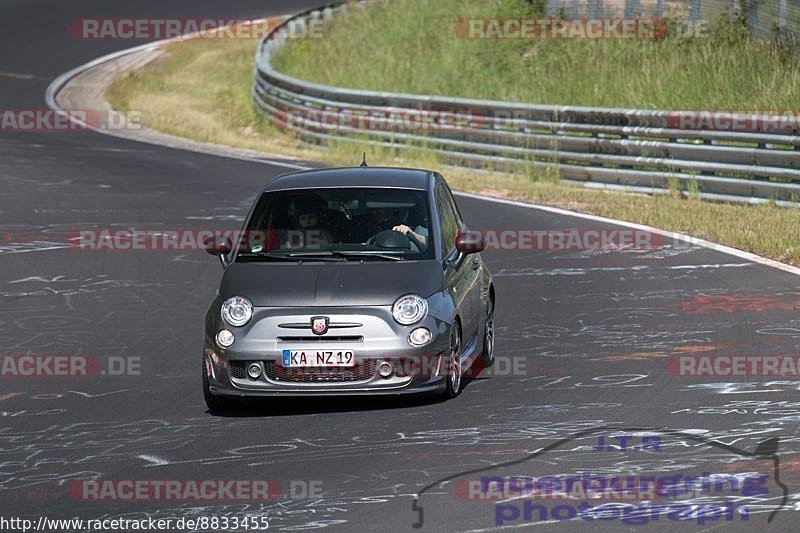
(219, 246)
(470, 242)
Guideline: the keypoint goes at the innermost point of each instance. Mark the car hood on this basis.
(330, 284)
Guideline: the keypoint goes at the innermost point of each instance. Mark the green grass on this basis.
(412, 46)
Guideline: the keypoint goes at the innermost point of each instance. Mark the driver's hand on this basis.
(402, 228)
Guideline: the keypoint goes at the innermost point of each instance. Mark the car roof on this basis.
(394, 177)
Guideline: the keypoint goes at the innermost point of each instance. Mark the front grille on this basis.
(362, 371)
(238, 369)
(332, 325)
(326, 338)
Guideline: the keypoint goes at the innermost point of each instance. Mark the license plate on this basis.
(317, 358)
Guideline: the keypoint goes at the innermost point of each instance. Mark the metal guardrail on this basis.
(623, 147)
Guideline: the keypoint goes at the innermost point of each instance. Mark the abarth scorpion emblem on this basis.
(319, 325)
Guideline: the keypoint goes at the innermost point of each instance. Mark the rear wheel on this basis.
(215, 404)
(453, 382)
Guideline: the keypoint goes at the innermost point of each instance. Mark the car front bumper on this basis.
(370, 333)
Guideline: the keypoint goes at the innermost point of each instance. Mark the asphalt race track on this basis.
(590, 331)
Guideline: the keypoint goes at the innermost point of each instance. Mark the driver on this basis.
(418, 235)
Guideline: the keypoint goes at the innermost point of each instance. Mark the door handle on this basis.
(476, 263)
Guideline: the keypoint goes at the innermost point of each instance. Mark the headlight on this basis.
(237, 311)
(409, 309)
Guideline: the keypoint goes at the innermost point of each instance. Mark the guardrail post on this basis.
(593, 7)
(782, 7)
(737, 9)
(633, 8)
(296, 27)
(780, 25)
(694, 10)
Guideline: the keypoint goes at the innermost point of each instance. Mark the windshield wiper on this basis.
(320, 256)
(364, 254)
(286, 257)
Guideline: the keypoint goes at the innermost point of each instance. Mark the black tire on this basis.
(215, 404)
(487, 355)
(454, 379)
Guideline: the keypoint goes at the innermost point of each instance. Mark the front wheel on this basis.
(453, 383)
(487, 356)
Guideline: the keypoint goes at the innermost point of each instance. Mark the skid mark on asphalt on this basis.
(746, 387)
(683, 350)
(18, 76)
(507, 272)
(748, 407)
(789, 329)
(46, 460)
(734, 303)
(61, 286)
(36, 246)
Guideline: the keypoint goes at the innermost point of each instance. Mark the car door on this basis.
(475, 279)
(463, 273)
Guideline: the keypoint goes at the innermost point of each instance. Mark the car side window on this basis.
(448, 219)
(449, 195)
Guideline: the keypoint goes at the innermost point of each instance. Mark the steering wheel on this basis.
(390, 239)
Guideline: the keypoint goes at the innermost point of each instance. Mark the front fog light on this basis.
(225, 338)
(419, 337)
(254, 370)
(384, 369)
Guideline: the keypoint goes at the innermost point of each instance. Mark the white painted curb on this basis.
(57, 84)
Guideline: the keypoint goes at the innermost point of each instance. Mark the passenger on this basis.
(308, 233)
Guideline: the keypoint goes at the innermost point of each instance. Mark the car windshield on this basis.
(376, 224)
